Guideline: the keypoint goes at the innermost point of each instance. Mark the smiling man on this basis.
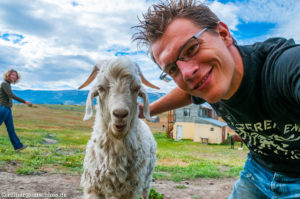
(254, 88)
(210, 73)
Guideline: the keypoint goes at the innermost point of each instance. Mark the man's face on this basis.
(211, 73)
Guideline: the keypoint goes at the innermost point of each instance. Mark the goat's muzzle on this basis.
(119, 127)
(120, 113)
(120, 119)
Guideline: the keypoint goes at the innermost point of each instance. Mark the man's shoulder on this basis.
(268, 46)
(289, 56)
(283, 61)
(273, 56)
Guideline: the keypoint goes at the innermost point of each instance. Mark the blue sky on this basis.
(55, 43)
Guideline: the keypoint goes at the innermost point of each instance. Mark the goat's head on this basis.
(118, 85)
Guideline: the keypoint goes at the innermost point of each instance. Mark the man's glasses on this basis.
(186, 53)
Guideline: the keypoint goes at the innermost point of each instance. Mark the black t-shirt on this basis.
(265, 111)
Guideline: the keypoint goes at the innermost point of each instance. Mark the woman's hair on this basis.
(10, 71)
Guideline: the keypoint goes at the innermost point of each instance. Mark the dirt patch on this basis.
(171, 162)
(203, 188)
(56, 185)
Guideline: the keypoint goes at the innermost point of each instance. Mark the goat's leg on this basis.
(145, 193)
(128, 196)
(90, 194)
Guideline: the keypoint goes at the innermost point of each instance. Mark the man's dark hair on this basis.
(158, 17)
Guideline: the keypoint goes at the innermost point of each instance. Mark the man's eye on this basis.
(172, 69)
(191, 51)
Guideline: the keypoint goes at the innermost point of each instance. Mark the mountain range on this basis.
(67, 97)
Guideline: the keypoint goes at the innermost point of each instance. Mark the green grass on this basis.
(185, 159)
(180, 187)
(59, 158)
(176, 160)
(65, 107)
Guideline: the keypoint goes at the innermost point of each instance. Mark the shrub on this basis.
(155, 195)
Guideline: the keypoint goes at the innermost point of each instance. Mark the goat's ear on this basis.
(146, 110)
(89, 104)
(144, 80)
(91, 77)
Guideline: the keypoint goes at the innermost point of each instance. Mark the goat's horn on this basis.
(91, 77)
(144, 80)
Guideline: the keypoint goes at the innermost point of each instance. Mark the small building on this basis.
(155, 119)
(200, 124)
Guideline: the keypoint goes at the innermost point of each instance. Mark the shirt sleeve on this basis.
(288, 75)
(10, 94)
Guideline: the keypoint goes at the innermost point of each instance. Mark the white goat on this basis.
(120, 155)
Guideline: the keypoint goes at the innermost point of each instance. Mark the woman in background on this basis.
(6, 96)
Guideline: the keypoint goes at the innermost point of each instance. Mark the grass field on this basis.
(176, 160)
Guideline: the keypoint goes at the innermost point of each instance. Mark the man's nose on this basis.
(187, 69)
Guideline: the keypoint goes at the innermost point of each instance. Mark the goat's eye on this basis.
(102, 88)
(136, 88)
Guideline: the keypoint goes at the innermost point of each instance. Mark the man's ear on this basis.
(224, 33)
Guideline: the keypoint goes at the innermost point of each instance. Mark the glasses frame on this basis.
(164, 76)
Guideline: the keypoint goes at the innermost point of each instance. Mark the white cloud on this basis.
(63, 39)
(54, 31)
(275, 11)
(226, 13)
(290, 27)
(284, 14)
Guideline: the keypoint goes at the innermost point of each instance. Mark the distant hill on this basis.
(68, 97)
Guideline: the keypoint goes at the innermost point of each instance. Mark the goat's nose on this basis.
(120, 113)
